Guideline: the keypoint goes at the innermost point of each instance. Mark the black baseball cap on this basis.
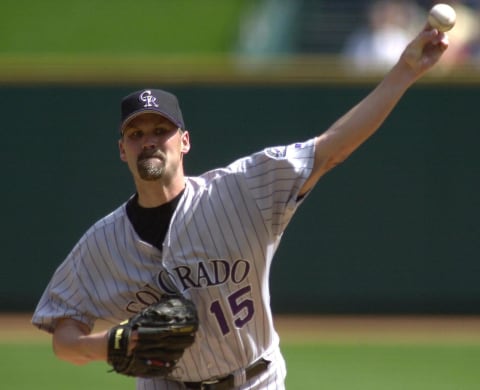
(155, 101)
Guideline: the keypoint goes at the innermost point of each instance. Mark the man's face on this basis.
(153, 147)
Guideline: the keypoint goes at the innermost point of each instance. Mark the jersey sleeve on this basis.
(274, 177)
(65, 295)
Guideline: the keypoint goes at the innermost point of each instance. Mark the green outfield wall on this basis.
(394, 229)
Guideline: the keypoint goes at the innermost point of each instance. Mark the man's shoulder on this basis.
(109, 221)
(211, 177)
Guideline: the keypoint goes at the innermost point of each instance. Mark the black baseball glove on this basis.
(165, 329)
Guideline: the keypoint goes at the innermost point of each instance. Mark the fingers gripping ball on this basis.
(164, 330)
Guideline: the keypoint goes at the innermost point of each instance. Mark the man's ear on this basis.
(121, 149)
(185, 142)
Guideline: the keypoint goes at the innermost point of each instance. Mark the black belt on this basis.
(228, 382)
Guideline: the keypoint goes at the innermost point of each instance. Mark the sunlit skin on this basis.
(153, 148)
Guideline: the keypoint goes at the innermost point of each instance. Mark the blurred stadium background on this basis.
(217, 41)
(394, 230)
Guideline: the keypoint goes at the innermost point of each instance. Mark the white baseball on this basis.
(442, 17)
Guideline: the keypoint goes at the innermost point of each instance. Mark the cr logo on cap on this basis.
(148, 98)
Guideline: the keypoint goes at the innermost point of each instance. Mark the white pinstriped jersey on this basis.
(217, 252)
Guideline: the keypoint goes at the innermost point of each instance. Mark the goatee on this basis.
(151, 166)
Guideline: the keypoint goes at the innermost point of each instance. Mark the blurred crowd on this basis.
(367, 35)
(390, 24)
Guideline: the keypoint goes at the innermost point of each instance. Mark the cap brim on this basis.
(146, 111)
